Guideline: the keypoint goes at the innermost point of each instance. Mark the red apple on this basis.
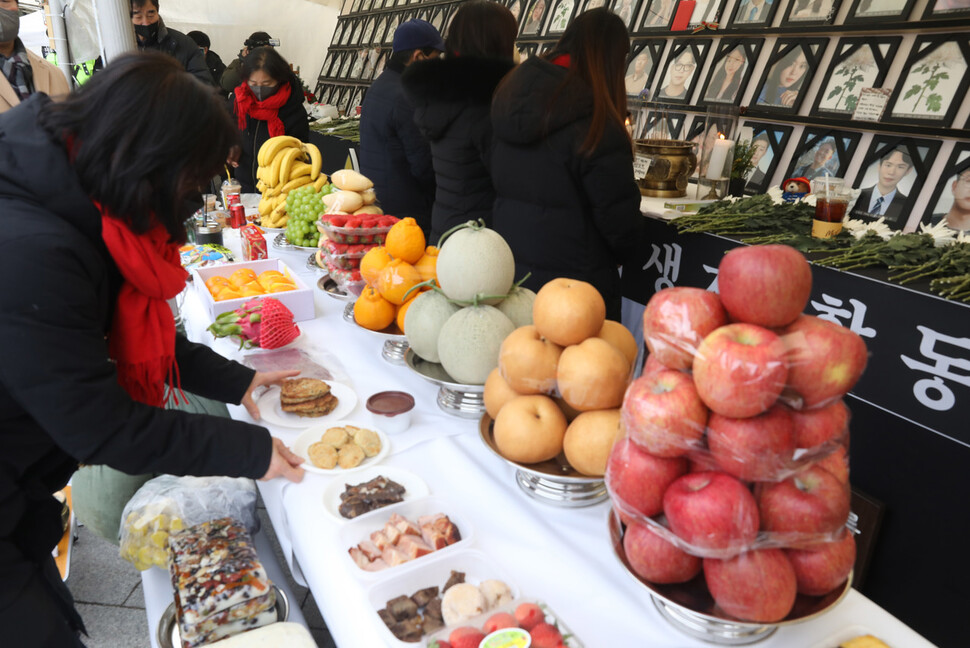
(655, 559)
(753, 449)
(817, 426)
(701, 461)
(767, 285)
(740, 370)
(836, 463)
(812, 502)
(652, 366)
(823, 567)
(711, 510)
(676, 320)
(637, 480)
(757, 585)
(825, 360)
(663, 413)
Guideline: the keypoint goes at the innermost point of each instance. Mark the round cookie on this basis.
(368, 440)
(350, 456)
(322, 455)
(336, 437)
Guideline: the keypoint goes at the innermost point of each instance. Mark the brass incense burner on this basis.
(673, 161)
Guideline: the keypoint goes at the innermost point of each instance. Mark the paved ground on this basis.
(108, 594)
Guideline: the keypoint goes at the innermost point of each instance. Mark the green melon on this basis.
(475, 261)
(423, 321)
(469, 342)
(518, 306)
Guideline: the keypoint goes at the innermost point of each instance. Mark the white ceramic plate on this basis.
(311, 436)
(413, 485)
(272, 412)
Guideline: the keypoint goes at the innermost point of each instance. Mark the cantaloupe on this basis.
(469, 342)
(422, 323)
(475, 261)
(518, 306)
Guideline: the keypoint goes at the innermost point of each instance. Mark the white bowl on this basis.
(414, 487)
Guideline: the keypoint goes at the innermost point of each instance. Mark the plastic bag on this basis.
(166, 504)
(305, 361)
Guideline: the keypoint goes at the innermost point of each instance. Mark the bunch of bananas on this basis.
(285, 163)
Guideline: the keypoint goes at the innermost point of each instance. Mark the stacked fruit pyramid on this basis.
(735, 457)
(285, 164)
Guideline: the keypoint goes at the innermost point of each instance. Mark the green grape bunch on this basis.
(303, 207)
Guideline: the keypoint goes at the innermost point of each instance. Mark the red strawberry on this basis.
(466, 637)
(336, 220)
(353, 222)
(498, 621)
(545, 636)
(529, 615)
(278, 328)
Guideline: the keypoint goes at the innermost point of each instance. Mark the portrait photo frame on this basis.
(950, 199)
(891, 178)
(933, 82)
(560, 16)
(628, 11)
(652, 123)
(753, 13)
(788, 74)
(642, 67)
(877, 11)
(533, 18)
(945, 9)
(706, 11)
(656, 16)
(527, 50)
(857, 63)
(676, 84)
(810, 12)
(724, 86)
(392, 24)
(515, 6)
(775, 137)
(586, 5)
(808, 161)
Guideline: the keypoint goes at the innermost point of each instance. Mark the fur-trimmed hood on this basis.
(440, 89)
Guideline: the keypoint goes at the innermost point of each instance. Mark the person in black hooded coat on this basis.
(452, 99)
(567, 202)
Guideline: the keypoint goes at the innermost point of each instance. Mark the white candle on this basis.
(719, 155)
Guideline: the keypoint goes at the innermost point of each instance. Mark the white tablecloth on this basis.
(561, 556)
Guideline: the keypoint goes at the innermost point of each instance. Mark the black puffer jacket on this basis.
(295, 123)
(452, 98)
(183, 49)
(563, 213)
(60, 401)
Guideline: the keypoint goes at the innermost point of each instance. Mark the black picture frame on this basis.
(764, 13)
(775, 138)
(392, 24)
(564, 10)
(857, 63)
(877, 11)
(531, 22)
(659, 124)
(939, 10)
(705, 11)
(929, 54)
(656, 16)
(804, 162)
(526, 49)
(639, 80)
(682, 49)
(359, 61)
(951, 196)
(367, 35)
(695, 130)
(379, 29)
(747, 48)
(772, 94)
(883, 166)
(628, 11)
(515, 6)
(810, 12)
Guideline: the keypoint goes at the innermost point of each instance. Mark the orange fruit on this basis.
(217, 281)
(271, 273)
(372, 263)
(228, 293)
(255, 287)
(249, 291)
(405, 240)
(272, 280)
(396, 279)
(242, 276)
(281, 286)
(373, 311)
(403, 309)
(427, 264)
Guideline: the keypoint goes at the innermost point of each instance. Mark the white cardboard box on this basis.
(299, 301)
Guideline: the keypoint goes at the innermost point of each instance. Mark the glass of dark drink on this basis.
(831, 204)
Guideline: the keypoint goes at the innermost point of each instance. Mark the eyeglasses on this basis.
(683, 67)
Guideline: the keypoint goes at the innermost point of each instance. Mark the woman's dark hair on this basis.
(399, 60)
(144, 137)
(773, 83)
(484, 29)
(268, 60)
(597, 43)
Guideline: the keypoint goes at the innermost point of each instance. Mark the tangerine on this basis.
(281, 286)
(396, 279)
(372, 263)
(403, 309)
(405, 240)
(242, 276)
(427, 264)
(228, 293)
(373, 311)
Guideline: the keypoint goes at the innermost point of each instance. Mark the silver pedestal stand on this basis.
(395, 344)
(465, 401)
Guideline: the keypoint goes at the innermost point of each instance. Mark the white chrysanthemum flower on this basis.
(775, 194)
(859, 228)
(941, 233)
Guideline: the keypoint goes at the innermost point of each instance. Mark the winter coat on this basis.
(295, 123)
(47, 79)
(452, 98)
(216, 67)
(393, 152)
(564, 214)
(183, 49)
(60, 400)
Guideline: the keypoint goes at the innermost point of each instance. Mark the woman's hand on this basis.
(263, 378)
(233, 159)
(788, 98)
(283, 464)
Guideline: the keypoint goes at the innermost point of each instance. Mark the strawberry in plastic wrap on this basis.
(262, 322)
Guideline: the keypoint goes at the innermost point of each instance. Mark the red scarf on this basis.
(142, 336)
(267, 110)
(563, 60)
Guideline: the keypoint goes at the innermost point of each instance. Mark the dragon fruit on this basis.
(262, 322)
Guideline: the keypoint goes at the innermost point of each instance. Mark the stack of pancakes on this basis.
(307, 397)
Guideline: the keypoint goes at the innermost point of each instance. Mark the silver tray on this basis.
(329, 286)
(465, 401)
(395, 343)
(168, 628)
(690, 608)
(311, 263)
(280, 243)
(554, 481)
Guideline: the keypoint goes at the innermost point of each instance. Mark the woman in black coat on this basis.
(91, 217)
(268, 103)
(562, 163)
(452, 98)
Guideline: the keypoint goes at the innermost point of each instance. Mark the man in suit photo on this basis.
(884, 199)
(752, 11)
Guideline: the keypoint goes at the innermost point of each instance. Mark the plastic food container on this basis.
(348, 258)
(569, 639)
(355, 230)
(299, 301)
(391, 410)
